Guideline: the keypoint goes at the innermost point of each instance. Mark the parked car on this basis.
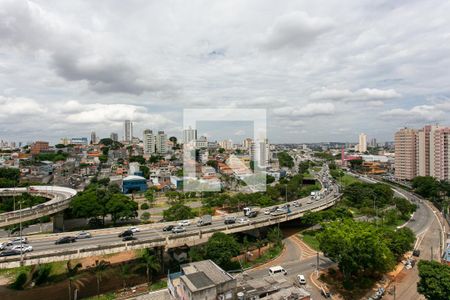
(129, 238)
(230, 220)
(83, 235)
(277, 270)
(416, 253)
(134, 229)
(25, 248)
(65, 240)
(178, 229)
(301, 279)
(168, 228)
(127, 232)
(184, 223)
(9, 252)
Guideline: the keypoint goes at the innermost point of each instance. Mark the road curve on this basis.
(60, 198)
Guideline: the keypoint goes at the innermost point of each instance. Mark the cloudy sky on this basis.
(324, 70)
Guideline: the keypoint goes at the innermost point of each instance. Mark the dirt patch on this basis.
(113, 259)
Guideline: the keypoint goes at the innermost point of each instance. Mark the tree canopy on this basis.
(285, 159)
(178, 211)
(434, 280)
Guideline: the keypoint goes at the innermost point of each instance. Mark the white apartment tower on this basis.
(128, 128)
(149, 142)
(189, 135)
(362, 145)
(161, 142)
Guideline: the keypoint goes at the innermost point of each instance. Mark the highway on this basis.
(43, 245)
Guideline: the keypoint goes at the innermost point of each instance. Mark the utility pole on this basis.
(431, 253)
(317, 263)
(20, 232)
(394, 291)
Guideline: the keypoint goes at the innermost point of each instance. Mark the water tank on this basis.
(240, 296)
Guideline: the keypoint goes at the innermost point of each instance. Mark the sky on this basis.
(323, 70)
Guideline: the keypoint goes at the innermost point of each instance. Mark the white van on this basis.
(277, 270)
(301, 279)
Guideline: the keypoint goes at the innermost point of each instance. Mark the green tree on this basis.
(145, 216)
(72, 275)
(121, 207)
(86, 205)
(177, 212)
(275, 236)
(125, 272)
(400, 241)
(221, 248)
(100, 270)
(356, 247)
(285, 159)
(138, 158)
(145, 171)
(150, 262)
(434, 281)
(426, 186)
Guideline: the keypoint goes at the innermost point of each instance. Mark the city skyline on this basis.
(306, 63)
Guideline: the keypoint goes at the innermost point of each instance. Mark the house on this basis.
(202, 280)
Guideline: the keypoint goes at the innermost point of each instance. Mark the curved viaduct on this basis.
(59, 200)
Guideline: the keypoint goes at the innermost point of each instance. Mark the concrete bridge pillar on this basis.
(58, 222)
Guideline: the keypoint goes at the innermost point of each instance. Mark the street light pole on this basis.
(20, 232)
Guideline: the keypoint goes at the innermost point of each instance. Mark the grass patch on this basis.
(347, 180)
(109, 296)
(158, 285)
(309, 237)
(13, 272)
(270, 254)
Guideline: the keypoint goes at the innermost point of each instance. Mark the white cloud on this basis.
(365, 94)
(18, 106)
(308, 110)
(295, 30)
(420, 113)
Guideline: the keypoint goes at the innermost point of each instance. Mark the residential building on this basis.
(38, 147)
(161, 142)
(362, 144)
(226, 144)
(65, 141)
(128, 131)
(261, 152)
(189, 135)
(406, 154)
(202, 142)
(247, 144)
(201, 280)
(114, 136)
(80, 141)
(93, 138)
(149, 142)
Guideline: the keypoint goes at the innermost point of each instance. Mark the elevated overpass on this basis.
(106, 241)
(59, 199)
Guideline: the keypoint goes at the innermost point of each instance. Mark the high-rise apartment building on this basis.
(38, 147)
(114, 136)
(362, 145)
(260, 152)
(149, 142)
(128, 128)
(226, 144)
(423, 152)
(406, 154)
(161, 142)
(247, 144)
(189, 135)
(93, 138)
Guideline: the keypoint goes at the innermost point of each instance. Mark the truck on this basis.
(250, 210)
(204, 220)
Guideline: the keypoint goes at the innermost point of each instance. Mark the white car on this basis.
(134, 229)
(83, 235)
(301, 279)
(184, 223)
(3, 245)
(25, 248)
(242, 220)
(18, 240)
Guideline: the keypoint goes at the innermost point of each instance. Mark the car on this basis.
(25, 248)
(125, 233)
(178, 229)
(134, 229)
(129, 238)
(301, 279)
(65, 240)
(252, 214)
(83, 235)
(184, 223)
(277, 270)
(242, 220)
(3, 245)
(230, 220)
(9, 252)
(416, 253)
(19, 240)
(168, 228)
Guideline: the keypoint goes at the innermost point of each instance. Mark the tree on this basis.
(145, 216)
(221, 248)
(426, 186)
(86, 205)
(434, 281)
(106, 141)
(275, 236)
(150, 196)
(121, 207)
(150, 262)
(99, 270)
(145, 171)
(221, 150)
(285, 159)
(173, 139)
(139, 158)
(357, 247)
(213, 163)
(399, 241)
(177, 212)
(72, 275)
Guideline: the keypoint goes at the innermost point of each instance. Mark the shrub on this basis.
(20, 281)
(42, 274)
(144, 206)
(145, 216)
